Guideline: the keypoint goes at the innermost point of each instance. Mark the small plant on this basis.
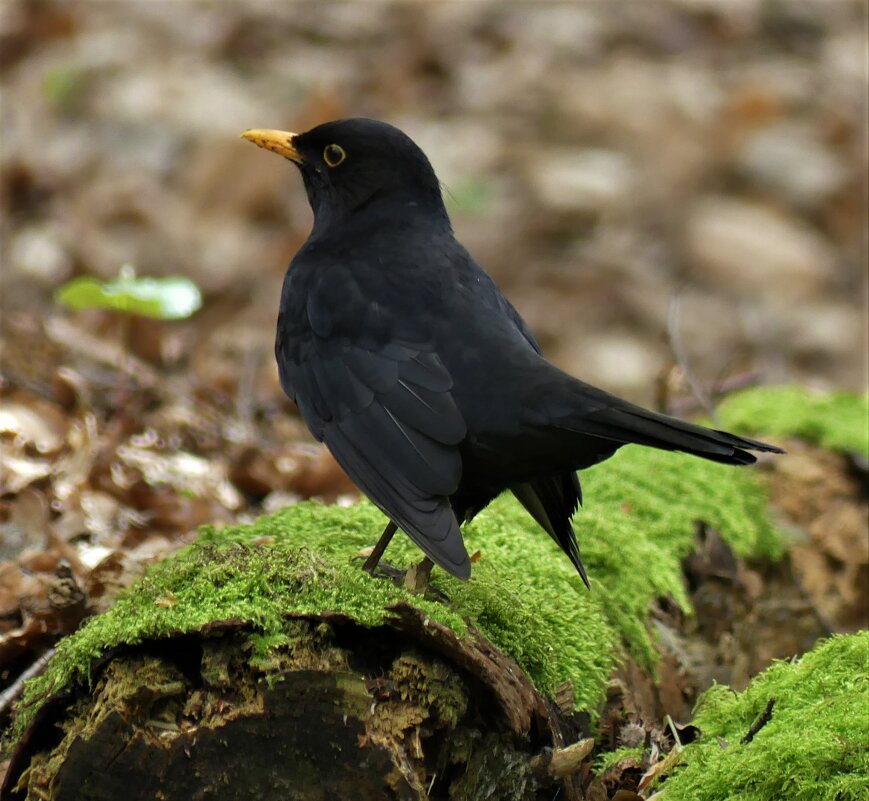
(128, 297)
(171, 298)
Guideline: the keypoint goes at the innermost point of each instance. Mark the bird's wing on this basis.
(388, 416)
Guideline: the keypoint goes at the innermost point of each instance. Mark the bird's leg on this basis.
(416, 578)
(374, 558)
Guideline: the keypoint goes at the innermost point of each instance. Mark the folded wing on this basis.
(388, 417)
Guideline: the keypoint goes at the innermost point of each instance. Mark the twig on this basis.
(88, 346)
(675, 337)
(722, 387)
(674, 731)
(245, 393)
(761, 721)
(11, 694)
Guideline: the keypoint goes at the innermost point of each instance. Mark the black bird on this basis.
(418, 374)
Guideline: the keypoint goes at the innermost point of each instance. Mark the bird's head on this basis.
(349, 165)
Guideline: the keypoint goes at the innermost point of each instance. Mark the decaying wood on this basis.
(402, 712)
(563, 762)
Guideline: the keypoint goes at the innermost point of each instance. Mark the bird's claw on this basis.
(415, 579)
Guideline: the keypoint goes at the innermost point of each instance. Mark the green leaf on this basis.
(172, 298)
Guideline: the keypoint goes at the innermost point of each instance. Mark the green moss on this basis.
(814, 747)
(838, 421)
(609, 759)
(524, 595)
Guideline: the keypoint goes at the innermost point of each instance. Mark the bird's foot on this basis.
(383, 570)
(415, 579)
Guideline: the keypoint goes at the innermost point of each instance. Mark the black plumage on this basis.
(418, 374)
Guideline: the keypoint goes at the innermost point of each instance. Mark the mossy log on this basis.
(799, 731)
(262, 662)
(402, 711)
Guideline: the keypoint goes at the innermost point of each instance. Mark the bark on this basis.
(405, 712)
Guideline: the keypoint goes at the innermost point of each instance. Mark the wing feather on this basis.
(428, 520)
(388, 416)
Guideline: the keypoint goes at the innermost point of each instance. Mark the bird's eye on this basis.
(333, 155)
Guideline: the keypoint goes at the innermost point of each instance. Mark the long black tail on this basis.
(596, 414)
(591, 425)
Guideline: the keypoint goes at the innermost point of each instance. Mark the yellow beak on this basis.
(280, 142)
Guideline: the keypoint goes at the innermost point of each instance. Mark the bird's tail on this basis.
(597, 414)
(551, 500)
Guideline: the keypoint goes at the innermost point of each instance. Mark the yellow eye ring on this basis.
(333, 155)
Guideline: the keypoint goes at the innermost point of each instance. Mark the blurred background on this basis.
(600, 159)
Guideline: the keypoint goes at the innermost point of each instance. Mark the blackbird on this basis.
(425, 383)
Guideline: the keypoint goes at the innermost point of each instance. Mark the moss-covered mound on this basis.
(814, 746)
(837, 421)
(639, 522)
(524, 595)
